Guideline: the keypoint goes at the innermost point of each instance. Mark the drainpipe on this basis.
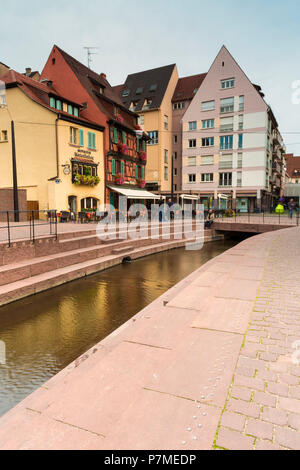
(56, 138)
(15, 178)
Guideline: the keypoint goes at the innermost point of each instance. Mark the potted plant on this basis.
(142, 183)
(120, 180)
(143, 156)
(123, 148)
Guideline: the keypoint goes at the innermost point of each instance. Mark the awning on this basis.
(189, 197)
(224, 196)
(134, 193)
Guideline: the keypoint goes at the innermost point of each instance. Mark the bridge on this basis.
(255, 223)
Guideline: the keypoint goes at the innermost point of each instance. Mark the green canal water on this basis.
(45, 333)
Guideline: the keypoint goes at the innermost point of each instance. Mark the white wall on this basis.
(254, 178)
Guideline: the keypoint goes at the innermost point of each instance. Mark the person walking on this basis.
(292, 206)
(162, 217)
(210, 219)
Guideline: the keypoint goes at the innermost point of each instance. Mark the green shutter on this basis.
(124, 137)
(59, 105)
(76, 112)
(122, 168)
(143, 172)
(89, 140)
(113, 167)
(136, 172)
(144, 146)
(94, 141)
(116, 139)
(137, 145)
(52, 102)
(70, 109)
(81, 134)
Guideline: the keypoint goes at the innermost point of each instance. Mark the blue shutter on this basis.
(81, 134)
(52, 102)
(113, 167)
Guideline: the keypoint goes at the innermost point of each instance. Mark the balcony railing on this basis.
(227, 109)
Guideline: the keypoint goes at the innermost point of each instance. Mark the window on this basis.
(175, 139)
(166, 157)
(81, 138)
(139, 91)
(226, 124)
(227, 105)
(192, 143)
(226, 162)
(175, 155)
(242, 103)
(230, 83)
(241, 138)
(226, 142)
(166, 173)
(113, 167)
(75, 111)
(180, 105)
(154, 138)
(147, 103)
(59, 105)
(141, 120)
(207, 178)
(208, 105)
(208, 124)
(134, 105)
(240, 160)
(70, 109)
(175, 172)
(153, 88)
(3, 136)
(126, 93)
(73, 135)
(193, 126)
(52, 102)
(192, 161)
(175, 187)
(192, 178)
(122, 168)
(239, 181)
(241, 123)
(166, 124)
(225, 179)
(208, 142)
(92, 140)
(207, 160)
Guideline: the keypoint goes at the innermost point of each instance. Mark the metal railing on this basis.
(263, 217)
(27, 225)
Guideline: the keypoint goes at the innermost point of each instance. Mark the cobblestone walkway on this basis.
(263, 407)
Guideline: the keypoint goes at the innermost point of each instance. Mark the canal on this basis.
(45, 333)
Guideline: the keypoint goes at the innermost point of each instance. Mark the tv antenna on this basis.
(90, 54)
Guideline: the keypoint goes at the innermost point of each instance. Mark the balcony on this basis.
(227, 109)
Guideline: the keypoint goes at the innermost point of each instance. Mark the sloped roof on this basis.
(187, 86)
(142, 82)
(92, 81)
(40, 93)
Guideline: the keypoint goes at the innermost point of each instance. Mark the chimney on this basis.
(103, 75)
(28, 71)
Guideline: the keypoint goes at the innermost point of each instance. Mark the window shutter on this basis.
(143, 172)
(113, 167)
(70, 109)
(124, 137)
(144, 146)
(116, 139)
(52, 102)
(94, 141)
(81, 134)
(137, 145)
(122, 168)
(89, 140)
(136, 172)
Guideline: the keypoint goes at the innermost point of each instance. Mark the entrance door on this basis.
(243, 205)
(33, 206)
(72, 201)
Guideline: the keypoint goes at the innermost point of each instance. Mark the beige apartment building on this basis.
(150, 94)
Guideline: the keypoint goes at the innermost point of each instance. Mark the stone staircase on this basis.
(27, 269)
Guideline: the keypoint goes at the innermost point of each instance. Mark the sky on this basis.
(131, 36)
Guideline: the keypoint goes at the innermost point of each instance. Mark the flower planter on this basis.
(86, 180)
(143, 156)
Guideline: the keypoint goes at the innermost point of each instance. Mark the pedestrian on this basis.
(210, 219)
(292, 206)
(171, 206)
(162, 217)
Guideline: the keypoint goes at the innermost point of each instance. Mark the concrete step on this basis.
(119, 251)
(52, 278)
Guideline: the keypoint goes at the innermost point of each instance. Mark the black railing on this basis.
(262, 217)
(30, 226)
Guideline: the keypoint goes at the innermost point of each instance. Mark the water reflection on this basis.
(45, 333)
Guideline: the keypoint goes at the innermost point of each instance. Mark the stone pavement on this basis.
(209, 365)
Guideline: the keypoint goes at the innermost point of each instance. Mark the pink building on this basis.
(231, 144)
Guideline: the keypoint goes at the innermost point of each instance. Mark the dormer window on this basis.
(125, 93)
(139, 91)
(153, 88)
(148, 103)
(101, 90)
(133, 105)
(73, 110)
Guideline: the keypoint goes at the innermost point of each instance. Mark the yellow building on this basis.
(150, 94)
(59, 154)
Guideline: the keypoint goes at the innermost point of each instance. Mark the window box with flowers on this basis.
(123, 148)
(141, 183)
(120, 179)
(143, 156)
(120, 118)
(86, 180)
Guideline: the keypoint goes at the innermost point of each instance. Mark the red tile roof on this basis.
(186, 87)
(39, 92)
(293, 165)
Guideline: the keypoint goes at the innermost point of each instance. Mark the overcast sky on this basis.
(132, 35)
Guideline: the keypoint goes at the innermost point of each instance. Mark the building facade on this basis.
(149, 94)
(230, 138)
(124, 145)
(59, 154)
